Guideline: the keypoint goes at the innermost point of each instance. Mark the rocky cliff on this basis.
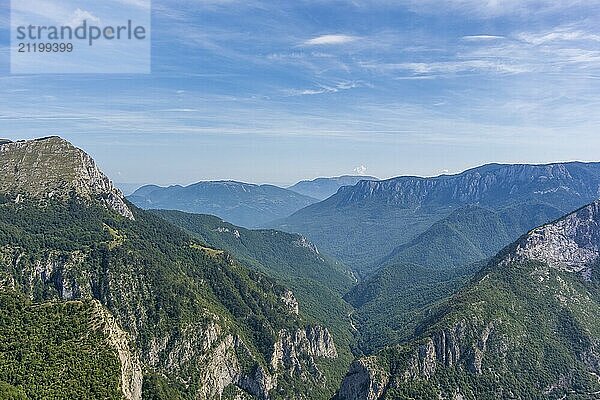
(53, 168)
(486, 184)
(571, 243)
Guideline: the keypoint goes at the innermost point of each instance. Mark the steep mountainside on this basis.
(317, 282)
(322, 188)
(242, 204)
(525, 328)
(391, 302)
(129, 306)
(365, 222)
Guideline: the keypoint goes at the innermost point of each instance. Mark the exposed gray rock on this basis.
(365, 381)
(118, 339)
(295, 353)
(571, 244)
(52, 168)
(290, 301)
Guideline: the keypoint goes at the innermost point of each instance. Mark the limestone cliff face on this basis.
(204, 352)
(118, 339)
(482, 185)
(53, 168)
(445, 348)
(296, 352)
(365, 380)
(571, 243)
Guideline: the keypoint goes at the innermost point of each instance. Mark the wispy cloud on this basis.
(493, 8)
(475, 38)
(559, 35)
(322, 89)
(325, 40)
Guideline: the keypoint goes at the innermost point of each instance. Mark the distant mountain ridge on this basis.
(481, 185)
(322, 188)
(243, 204)
(352, 223)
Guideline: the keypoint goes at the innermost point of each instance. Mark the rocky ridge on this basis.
(52, 168)
(571, 243)
(479, 185)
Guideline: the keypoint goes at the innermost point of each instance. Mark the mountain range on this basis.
(366, 222)
(243, 204)
(102, 299)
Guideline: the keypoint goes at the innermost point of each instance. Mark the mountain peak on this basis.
(52, 167)
(572, 243)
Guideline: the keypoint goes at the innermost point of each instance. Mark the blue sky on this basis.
(277, 91)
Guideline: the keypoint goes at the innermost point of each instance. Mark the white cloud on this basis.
(451, 67)
(475, 38)
(360, 170)
(322, 89)
(324, 40)
(560, 35)
(77, 18)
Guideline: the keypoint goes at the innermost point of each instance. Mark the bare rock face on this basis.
(131, 368)
(52, 168)
(571, 244)
(295, 352)
(290, 302)
(304, 242)
(365, 381)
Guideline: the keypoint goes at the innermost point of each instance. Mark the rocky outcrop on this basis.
(462, 345)
(304, 242)
(118, 339)
(295, 353)
(288, 298)
(52, 168)
(571, 243)
(365, 380)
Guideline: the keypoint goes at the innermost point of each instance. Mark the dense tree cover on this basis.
(51, 351)
(543, 341)
(432, 267)
(317, 281)
(155, 278)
